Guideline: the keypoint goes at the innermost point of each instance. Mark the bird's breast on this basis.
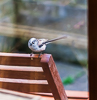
(37, 48)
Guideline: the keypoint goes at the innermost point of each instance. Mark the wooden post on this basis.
(92, 50)
(53, 77)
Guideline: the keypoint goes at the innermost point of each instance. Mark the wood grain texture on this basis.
(27, 88)
(19, 61)
(17, 55)
(53, 77)
(92, 49)
(23, 68)
(70, 94)
(77, 94)
(45, 97)
(16, 74)
(23, 81)
(53, 84)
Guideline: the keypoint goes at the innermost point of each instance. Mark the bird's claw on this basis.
(31, 56)
(40, 55)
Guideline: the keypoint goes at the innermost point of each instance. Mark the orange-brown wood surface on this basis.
(69, 93)
(45, 80)
(74, 95)
(77, 94)
(32, 78)
(22, 73)
(19, 61)
(26, 87)
(53, 78)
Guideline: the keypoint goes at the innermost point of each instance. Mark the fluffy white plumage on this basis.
(39, 45)
(34, 43)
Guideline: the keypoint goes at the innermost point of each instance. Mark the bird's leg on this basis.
(31, 56)
(39, 54)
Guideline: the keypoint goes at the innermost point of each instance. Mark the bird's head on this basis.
(32, 42)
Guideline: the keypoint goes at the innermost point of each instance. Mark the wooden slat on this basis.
(20, 94)
(24, 95)
(19, 61)
(26, 88)
(24, 81)
(16, 59)
(17, 55)
(22, 75)
(42, 94)
(23, 68)
(77, 94)
(16, 72)
(70, 94)
(45, 97)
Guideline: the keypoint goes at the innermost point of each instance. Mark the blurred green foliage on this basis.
(72, 79)
(68, 80)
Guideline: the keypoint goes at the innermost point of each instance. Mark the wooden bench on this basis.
(38, 76)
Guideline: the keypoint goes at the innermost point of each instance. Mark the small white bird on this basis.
(39, 45)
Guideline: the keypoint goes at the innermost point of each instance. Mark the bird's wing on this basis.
(40, 41)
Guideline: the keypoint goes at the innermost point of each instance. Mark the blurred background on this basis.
(22, 19)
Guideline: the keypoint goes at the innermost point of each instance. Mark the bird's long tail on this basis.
(64, 36)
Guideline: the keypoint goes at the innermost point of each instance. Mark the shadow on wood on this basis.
(18, 72)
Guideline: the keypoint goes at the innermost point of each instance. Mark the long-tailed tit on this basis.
(39, 45)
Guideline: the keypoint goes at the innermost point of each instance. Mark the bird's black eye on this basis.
(32, 42)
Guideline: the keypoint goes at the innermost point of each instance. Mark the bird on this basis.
(39, 45)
